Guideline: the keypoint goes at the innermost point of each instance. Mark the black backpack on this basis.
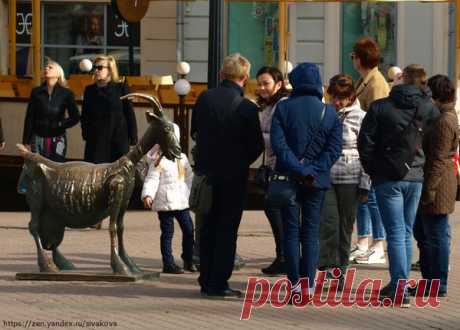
(400, 152)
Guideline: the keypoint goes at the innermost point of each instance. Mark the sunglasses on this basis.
(99, 67)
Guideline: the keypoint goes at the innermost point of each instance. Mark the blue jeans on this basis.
(398, 203)
(167, 232)
(301, 219)
(369, 214)
(435, 248)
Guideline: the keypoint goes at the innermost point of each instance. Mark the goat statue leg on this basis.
(62, 262)
(34, 199)
(116, 203)
(121, 247)
(45, 264)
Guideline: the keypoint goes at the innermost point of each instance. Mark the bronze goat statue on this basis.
(80, 194)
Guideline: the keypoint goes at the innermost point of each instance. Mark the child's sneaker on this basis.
(372, 256)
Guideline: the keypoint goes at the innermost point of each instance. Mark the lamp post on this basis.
(216, 38)
(182, 88)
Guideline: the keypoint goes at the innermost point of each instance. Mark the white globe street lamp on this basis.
(86, 65)
(182, 87)
(183, 68)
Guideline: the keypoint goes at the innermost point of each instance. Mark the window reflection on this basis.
(73, 24)
(76, 31)
(377, 20)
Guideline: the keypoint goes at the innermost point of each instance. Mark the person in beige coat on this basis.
(370, 87)
(372, 84)
(440, 185)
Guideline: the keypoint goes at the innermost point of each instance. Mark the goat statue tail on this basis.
(22, 149)
(25, 153)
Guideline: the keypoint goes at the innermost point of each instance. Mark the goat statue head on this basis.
(160, 130)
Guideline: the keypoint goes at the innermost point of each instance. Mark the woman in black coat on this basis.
(108, 123)
(51, 110)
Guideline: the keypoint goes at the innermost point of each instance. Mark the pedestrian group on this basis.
(385, 157)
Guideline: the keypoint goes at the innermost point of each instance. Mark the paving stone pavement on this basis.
(173, 301)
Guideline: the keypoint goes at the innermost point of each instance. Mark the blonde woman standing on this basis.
(108, 124)
(51, 110)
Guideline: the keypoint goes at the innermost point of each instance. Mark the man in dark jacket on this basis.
(306, 136)
(397, 198)
(228, 140)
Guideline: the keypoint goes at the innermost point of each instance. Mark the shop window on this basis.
(73, 31)
(377, 20)
(23, 41)
(253, 32)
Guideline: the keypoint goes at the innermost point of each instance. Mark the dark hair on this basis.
(277, 76)
(367, 50)
(442, 88)
(341, 86)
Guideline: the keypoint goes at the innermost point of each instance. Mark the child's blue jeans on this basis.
(167, 232)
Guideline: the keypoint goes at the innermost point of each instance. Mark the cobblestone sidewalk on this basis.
(173, 301)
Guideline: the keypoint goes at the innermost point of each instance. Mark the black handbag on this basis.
(262, 175)
(200, 199)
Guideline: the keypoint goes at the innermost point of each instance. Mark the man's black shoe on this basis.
(278, 267)
(442, 294)
(388, 298)
(190, 267)
(239, 262)
(413, 291)
(227, 293)
(172, 269)
(415, 266)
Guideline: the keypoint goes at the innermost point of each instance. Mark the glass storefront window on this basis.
(73, 31)
(377, 20)
(253, 31)
(122, 58)
(74, 24)
(24, 61)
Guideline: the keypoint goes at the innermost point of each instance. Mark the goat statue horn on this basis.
(156, 105)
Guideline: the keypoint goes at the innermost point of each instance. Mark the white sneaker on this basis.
(356, 252)
(371, 257)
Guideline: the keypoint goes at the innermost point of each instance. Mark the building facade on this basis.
(323, 33)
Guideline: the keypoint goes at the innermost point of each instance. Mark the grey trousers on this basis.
(337, 220)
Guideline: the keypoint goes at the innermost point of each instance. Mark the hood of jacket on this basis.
(356, 106)
(306, 80)
(408, 96)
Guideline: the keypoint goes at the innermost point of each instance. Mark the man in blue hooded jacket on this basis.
(306, 136)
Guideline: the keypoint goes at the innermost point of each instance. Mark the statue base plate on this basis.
(67, 276)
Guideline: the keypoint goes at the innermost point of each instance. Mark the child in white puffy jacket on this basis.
(166, 190)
